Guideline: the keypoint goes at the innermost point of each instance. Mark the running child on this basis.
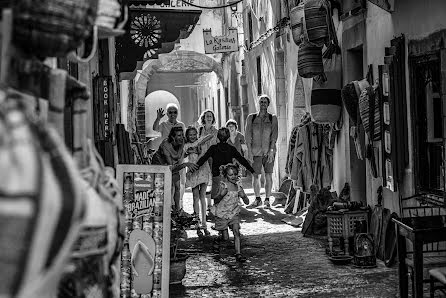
(227, 211)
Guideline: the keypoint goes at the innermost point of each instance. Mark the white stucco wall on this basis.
(414, 19)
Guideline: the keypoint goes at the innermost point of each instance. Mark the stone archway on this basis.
(179, 61)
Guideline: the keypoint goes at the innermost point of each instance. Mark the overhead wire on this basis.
(212, 7)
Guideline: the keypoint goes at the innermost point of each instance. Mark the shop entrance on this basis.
(428, 123)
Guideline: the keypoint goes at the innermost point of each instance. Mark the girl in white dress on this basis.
(197, 180)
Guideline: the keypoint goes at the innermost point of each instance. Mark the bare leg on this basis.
(268, 184)
(236, 230)
(176, 195)
(182, 188)
(225, 235)
(202, 199)
(196, 196)
(256, 184)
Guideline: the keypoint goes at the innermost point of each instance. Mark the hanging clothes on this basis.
(313, 157)
(306, 118)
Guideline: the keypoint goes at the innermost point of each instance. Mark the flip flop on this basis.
(142, 248)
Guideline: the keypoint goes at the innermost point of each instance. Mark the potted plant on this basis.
(179, 224)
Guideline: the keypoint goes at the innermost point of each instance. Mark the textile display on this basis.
(292, 142)
(41, 196)
(313, 157)
(297, 22)
(53, 28)
(95, 253)
(369, 110)
(309, 62)
(326, 100)
(317, 21)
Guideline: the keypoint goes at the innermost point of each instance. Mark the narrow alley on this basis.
(281, 263)
(222, 148)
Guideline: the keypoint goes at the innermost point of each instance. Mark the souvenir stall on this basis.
(318, 210)
(60, 206)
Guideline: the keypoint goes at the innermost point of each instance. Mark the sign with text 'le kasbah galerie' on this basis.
(220, 44)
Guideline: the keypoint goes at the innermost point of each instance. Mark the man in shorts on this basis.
(261, 137)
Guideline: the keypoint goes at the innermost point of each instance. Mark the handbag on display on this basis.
(350, 97)
(42, 206)
(317, 19)
(297, 22)
(309, 61)
(326, 101)
(53, 28)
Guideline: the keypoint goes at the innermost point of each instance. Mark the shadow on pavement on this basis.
(279, 265)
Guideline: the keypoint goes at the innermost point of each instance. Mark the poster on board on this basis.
(145, 258)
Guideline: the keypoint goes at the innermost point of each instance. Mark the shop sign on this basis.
(104, 95)
(146, 193)
(173, 4)
(220, 44)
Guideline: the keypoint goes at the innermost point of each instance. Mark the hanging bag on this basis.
(309, 62)
(52, 28)
(317, 18)
(41, 203)
(297, 22)
(326, 101)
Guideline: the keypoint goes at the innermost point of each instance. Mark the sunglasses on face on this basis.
(172, 112)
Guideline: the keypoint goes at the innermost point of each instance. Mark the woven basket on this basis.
(316, 22)
(53, 28)
(296, 22)
(309, 62)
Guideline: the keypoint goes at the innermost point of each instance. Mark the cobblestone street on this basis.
(281, 263)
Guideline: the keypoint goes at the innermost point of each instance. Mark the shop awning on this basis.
(150, 32)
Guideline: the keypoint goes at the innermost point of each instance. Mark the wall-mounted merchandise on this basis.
(395, 147)
(145, 259)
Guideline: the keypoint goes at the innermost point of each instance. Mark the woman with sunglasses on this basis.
(165, 126)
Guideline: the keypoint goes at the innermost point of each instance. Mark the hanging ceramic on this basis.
(109, 13)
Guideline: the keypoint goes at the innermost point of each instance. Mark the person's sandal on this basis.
(200, 234)
(239, 258)
(206, 233)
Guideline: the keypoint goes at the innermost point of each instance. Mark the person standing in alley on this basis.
(261, 134)
(165, 126)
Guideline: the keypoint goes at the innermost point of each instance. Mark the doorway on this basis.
(427, 121)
